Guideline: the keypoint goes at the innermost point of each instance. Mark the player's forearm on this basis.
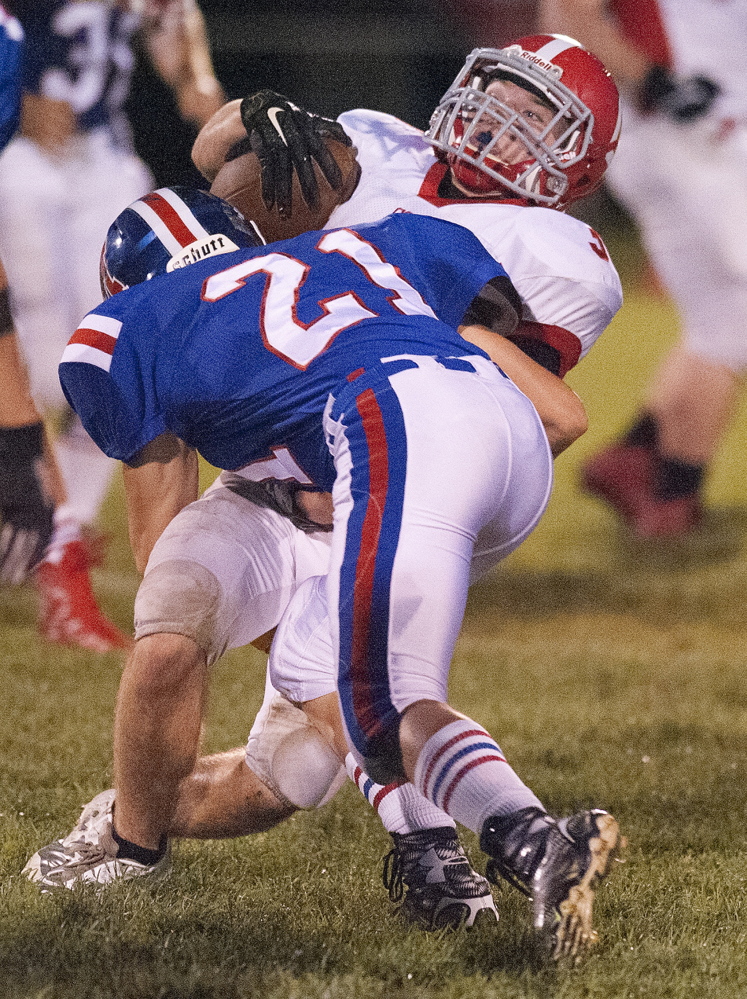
(588, 22)
(17, 408)
(560, 409)
(223, 130)
(178, 47)
(161, 481)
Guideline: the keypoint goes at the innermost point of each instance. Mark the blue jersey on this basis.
(11, 43)
(238, 356)
(79, 51)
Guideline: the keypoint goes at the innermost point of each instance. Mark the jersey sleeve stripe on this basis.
(86, 354)
(94, 343)
(95, 338)
(100, 324)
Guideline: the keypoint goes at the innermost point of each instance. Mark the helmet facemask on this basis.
(470, 126)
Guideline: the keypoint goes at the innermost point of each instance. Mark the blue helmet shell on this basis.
(167, 229)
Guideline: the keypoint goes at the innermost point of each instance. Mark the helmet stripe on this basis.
(183, 210)
(559, 44)
(175, 228)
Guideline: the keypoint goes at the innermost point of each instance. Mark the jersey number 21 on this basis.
(283, 333)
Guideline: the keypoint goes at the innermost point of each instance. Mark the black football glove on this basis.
(25, 508)
(285, 138)
(682, 98)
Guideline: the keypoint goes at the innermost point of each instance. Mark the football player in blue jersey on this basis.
(337, 355)
(68, 172)
(25, 501)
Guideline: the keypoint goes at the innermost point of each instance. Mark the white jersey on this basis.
(694, 38)
(686, 183)
(561, 269)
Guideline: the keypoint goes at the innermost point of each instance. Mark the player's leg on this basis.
(226, 794)
(223, 798)
(218, 577)
(673, 184)
(426, 870)
(35, 238)
(288, 765)
(474, 449)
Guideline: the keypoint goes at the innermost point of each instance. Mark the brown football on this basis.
(238, 182)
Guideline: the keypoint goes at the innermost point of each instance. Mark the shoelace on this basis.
(393, 875)
(404, 861)
(88, 854)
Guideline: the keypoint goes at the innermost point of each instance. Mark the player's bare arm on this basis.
(30, 482)
(560, 409)
(588, 21)
(47, 122)
(177, 44)
(219, 134)
(159, 482)
(652, 86)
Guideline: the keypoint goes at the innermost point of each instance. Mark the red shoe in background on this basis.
(673, 518)
(68, 612)
(623, 476)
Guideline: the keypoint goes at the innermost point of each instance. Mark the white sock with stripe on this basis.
(462, 770)
(400, 806)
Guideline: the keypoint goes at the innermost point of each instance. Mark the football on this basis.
(238, 182)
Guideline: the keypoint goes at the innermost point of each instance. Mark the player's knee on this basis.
(181, 597)
(292, 758)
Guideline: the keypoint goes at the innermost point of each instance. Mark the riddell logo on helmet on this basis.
(532, 57)
(201, 249)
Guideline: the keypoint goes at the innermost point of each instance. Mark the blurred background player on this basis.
(681, 170)
(65, 176)
(26, 471)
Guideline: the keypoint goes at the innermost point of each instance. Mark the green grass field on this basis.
(610, 674)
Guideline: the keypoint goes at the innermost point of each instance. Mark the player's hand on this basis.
(287, 138)
(49, 123)
(682, 98)
(25, 506)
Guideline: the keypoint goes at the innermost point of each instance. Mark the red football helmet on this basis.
(566, 155)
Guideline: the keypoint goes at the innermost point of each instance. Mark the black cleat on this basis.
(558, 864)
(428, 872)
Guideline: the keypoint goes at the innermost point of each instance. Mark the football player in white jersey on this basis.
(216, 800)
(65, 175)
(568, 285)
(27, 472)
(682, 172)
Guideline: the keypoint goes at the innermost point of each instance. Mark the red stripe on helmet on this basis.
(170, 218)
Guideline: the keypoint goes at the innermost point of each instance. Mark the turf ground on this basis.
(611, 675)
